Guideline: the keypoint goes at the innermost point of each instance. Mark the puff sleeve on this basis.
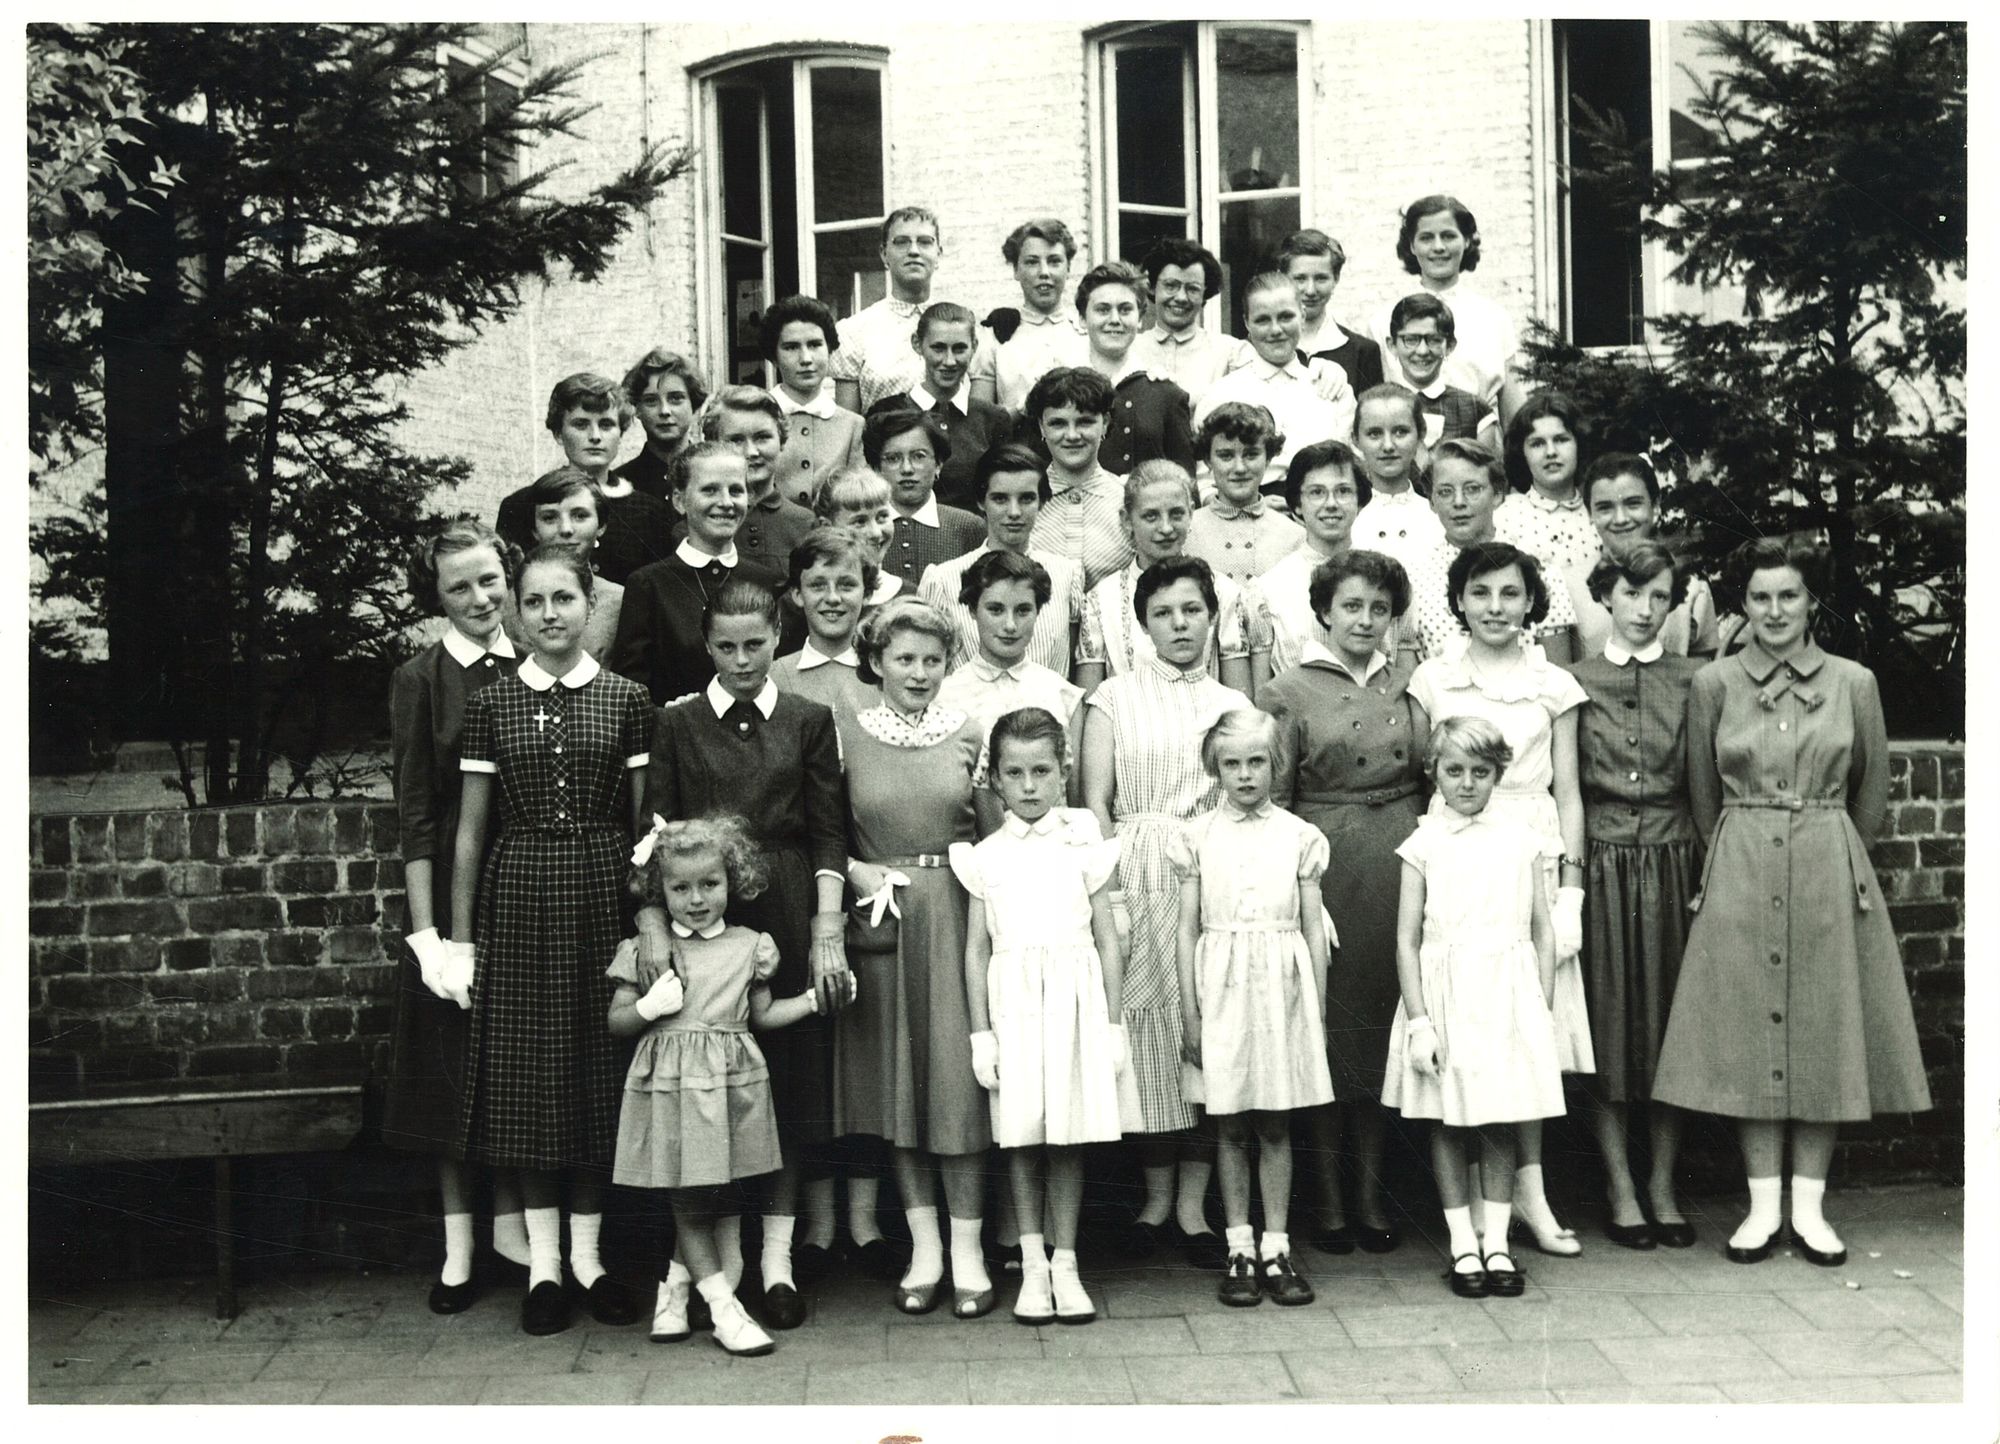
(1314, 854)
(1559, 691)
(1415, 849)
(1098, 854)
(965, 867)
(625, 963)
(1184, 847)
(764, 959)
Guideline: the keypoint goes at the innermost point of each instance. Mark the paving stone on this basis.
(1812, 1391)
(1691, 1314)
(1537, 1364)
(1947, 1344)
(380, 1358)
(1708, 1360)
(98, 1394)
(814, 1344)
(1645, 1394)
(460, 1390)
(1486, 1398)
(1352, 1373)
(72, 1365)
(1235, 1379)
(258, 1391)
(996, 1336)
(52, 1322)
(1127, 1338)
(1267, 1328)
(843, 1383)
(1952, 1296)
(511, 1357)
(1929, 1388)
(743, 1381)
(172, 1323)
(1461, 1321)
(190, 1363)
(310, 1320)
(1840, 1354)
(1053, 1381)
(1337, 1290)
(563, 1389)
(1573, 1314)
(1835, 1307)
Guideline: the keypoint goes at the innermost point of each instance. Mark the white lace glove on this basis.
(664, 997)
(1121, 1050)
(986, 1060)
(1569, 921)
(431, 955)
(1420, 1044)
(460, 961)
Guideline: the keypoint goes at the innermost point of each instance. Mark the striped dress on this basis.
(1158, 715)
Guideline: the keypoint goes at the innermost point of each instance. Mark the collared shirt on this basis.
(1430, 606)
(713, 930)
(821, 441)
(1054, 624)
(1038, 346)
(581, 675)
(931, 534)
(1691, 629)
(720, 699)
(1617, 656)
(1194, 359)
(1282, 593)
(1631, 745)
(875, 351)
(810, 656)
(1114, 638)
(1559, 532)
(1080, 524)
(1242, 543)
(695, 557)
(1289, 394)
(959, 401)
(1326, 657)
(986, 693)
(1399, 523)
(1487, 337)
(822, 404)
(1451, 412)
(468, 653)
(926, 514)
(1049, 822)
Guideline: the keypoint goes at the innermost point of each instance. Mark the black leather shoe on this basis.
(1282, 1282)
(608, 1303)
(811, 1263)
(1205, 1251)
(783, 1308)
(545, 1309)
(1239, 1288)
(1504, 1283)
(1637, 1236)
(1674, 1235)
(1331, 1240)
(453, 1298)
(1815, 1256)
(1756, 1253)
(1376, 1240)
(1138, 1239)
(877, 1259)
(1470, 1285)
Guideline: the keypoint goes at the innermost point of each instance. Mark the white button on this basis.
(562, 782)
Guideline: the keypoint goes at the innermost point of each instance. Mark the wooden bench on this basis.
(223, 1121)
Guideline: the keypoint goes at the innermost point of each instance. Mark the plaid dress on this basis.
(543, 1073)
(1158, 715)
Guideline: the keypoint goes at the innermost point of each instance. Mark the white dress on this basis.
(1263, 1031)
(1059, 1081)
(1481, 988)
(1523, 701)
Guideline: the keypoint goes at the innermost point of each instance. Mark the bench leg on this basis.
(225, 1241)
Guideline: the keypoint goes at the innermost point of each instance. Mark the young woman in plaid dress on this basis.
(546, 756)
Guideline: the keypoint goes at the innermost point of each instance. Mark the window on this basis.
(485, 77)
(1644, 73)
(1200, 137)
(796, 186)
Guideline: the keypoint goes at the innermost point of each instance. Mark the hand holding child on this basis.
(986, 1061)
(664, 997)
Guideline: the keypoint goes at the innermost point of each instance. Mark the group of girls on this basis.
(1014, 862)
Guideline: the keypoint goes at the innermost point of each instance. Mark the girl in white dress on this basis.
(1473, 1045)
(1252, 951)
(1043, 981)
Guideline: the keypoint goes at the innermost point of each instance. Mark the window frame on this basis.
(502, 67)
(711, 341)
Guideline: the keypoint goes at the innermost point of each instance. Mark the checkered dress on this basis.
(544, 1074)
(1158, 716)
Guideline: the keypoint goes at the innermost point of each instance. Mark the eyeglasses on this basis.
(907, 458)
(1421, 343)
(1179, 288)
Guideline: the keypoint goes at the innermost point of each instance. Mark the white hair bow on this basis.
(883, 899)
(643, 852)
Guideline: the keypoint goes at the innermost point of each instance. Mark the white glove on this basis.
(1420, 1044)
(430, 951)
(1121, 1050)
(458, 969)
(664, 997)
(986, 1060)
(1569, 921)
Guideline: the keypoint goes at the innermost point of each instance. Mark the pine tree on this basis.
(1836, 199)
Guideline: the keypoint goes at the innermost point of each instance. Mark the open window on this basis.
(795, 191)
(1198, 134)
(486, 74)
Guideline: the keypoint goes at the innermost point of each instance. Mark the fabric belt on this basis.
(921, 859)
(708, 1028)
(1789, 804)
(1373, 796)
(558, 829)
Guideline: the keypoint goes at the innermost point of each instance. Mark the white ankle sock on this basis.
(1063, 1260)
(715, 1288)
(510, 1237)
(1494, 1216)
(677, 1273)
(457, 1250)
(1808, 1219)
(968, 1261)
(777, 1255)
(862, 1194)
(1271, 1245)
(1242, 1240)
(544, 1227)
(584, 1264)
(1034, 1253)
(1458, 1225)
(819, 1215)
(926, 1248)
(1766, 1195)
(729, 1248)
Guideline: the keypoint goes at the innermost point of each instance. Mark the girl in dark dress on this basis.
(546, 755)
(773, 758)
(463, 572)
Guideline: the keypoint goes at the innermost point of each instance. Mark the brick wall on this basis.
(258, 940)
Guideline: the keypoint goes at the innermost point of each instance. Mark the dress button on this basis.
(562, 782)
(1633, 811)
(1631, 777)
(1632, 741)
(1777, 1017)
(1777, 842)
(1630, 703)
(558, 749)
(1357, 725)
(1361, 762)
(1776, 958)
(1784, 726)
(1777, 1075)
(1777, 902)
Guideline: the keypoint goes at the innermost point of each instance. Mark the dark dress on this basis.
(637, 530)
(1792, 1001)
(646, 472)
(426, 1078)
(544, 1075)
(1351, 764)
(659, 624)
(968, 433)
(771, 528)
(1150, 418)
(781, 774)
(1643, 863)
(1358, 355)
(915, 547)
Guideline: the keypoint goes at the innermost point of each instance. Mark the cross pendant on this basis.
(541, 721)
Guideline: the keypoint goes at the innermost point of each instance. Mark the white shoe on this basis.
(1073, 1304)
(670, 1313)
(736, 1332)
(1035, 1304)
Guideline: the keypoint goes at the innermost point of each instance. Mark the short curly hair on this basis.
(1377, 569)
(856, 487)
(1169, 570)
(995, 567)
(899, 614)
(588, 391)
(1180, 252)
(1543, 405)
(1430, 206)
(1243, 422)
(1642, 562)
(1114, 273)
(1799, 551)
(459, 534)
(1484, 558)
(809, 309)
(724, 834)
(1318, 456)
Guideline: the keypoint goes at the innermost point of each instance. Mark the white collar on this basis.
(1264, 371)
(1058, 486)
(466, 652)
(1433, 391)
(810, 656)
(986, 671)
(887, 586)
(713, 930)
(1031, 317)
(1231, 812)
(1315, 650)
(695, 557)
(821, 405)
(1617, 656)
(960, 403)
(925, 515)
(766, 701)
(1406, 497)
(897, 306)
(1549, 504)
(615, 488)
(1048, 823)
(1162, 335)
(581, 675)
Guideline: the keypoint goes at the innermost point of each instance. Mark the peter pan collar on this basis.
(1232, 813)
(581, 675)
(713, 930)
(1550, 504)
(1516, 684)
(721, 700)
(986, 671)
(960, 402)
(1617, 656)
(810, 656)
(821, 405)
(1228, 511)
(1263, 370)
(695, 557)
(1049, 822)
(467, 652)
(1454, 821)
